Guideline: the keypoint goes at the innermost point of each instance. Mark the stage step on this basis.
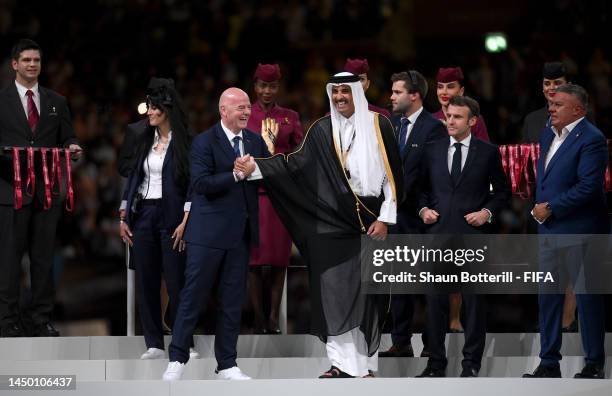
(352, 387)
(261, 346)
(272, 368)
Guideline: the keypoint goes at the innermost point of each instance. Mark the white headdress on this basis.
(371, 167)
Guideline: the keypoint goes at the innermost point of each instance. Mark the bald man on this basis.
(222, 226)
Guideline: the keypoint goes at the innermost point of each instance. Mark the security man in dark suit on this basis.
(554, 74)
(455, 199)
(127, 153)
(30, 116)
(222, 225)
(415, 128)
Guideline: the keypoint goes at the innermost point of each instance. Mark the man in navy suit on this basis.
(414, 127)
(222, 225)
(455, 198)
(570, 199)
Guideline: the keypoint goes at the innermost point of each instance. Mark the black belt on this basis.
(150, 202)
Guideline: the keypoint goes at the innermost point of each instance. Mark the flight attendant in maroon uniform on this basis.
(360, 67)
(274, 240)
(450, 83)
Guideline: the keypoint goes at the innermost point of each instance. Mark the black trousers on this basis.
(31, 230)
(474, 325)
(402, 312)
(152, 253)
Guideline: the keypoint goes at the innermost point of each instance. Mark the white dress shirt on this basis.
(413, 117)
(559, 139)
(151, 186)
(388, 209)
(465, 148)
(21, 90)
(256, 175)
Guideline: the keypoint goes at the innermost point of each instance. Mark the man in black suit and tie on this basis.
(455, 198)
(223, 224)
(415, 128)
(30, 116)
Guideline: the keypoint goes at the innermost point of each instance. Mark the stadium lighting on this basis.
(496, 42)
(142, 108)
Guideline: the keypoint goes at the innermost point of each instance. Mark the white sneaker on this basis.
(193, 354)
(153, 353)
(174, 372)
(232, 373)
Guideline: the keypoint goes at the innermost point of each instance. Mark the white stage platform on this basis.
(260, 346)
(341, 387)
(290, 364)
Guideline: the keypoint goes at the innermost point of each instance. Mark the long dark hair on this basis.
(162, 94)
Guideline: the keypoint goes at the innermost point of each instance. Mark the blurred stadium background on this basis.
(100, 54)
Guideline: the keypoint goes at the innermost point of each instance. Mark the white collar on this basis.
(413, 117)
(230, 135)
(465, 142)
(567, 129)
(157, 136)
(22, 90)
(347, 121)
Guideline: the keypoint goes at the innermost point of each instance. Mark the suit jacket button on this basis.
(31, 141)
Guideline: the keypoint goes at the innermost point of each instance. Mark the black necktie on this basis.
(404, 122)
(237, 146)
(456, 165)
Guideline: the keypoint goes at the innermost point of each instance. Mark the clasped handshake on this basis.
(244, 166)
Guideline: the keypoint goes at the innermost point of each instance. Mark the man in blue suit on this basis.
(570, 200)
(222, 225)
(455, 198)
(414, 127)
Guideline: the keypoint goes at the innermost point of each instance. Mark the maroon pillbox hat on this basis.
(268, 73)
(356, 66)
(449, 74)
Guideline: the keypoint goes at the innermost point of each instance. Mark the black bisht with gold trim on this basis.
(311, 194)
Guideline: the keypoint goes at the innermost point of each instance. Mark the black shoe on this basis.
(45, 330)
(469, 372)
(335, 372)
(545, 372)
(398, 350)
(431, 372)
(572, 328)
(275, 331)
(591, 371)
(11, 330)
(273, 327)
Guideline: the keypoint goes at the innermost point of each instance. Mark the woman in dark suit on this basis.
(158, 203)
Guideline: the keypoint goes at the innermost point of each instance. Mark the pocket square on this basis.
(52, 111)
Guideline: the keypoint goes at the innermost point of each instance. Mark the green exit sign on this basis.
(496, 42)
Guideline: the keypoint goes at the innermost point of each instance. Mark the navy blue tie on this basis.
(456, 164)
(404, 122)
(237, 146)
